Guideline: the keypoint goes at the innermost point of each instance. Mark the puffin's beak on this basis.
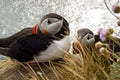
(44, 31)
(51, 26)
(76, 49)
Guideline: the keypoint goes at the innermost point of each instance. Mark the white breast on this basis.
(55, 50)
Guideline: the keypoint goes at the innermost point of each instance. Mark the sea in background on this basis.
(18, 14)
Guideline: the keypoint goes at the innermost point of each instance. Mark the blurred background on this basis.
(18, 14)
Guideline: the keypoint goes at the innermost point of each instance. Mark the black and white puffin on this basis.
(46, 41)
(85, 37)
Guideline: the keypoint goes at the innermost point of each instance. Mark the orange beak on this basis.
(44, 31)
(76, 49)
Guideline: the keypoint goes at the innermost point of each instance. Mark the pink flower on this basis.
(99, 30)
(103, 34)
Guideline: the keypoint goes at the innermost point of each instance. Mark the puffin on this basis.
(46, 41)
(85, 37)
(88, 39)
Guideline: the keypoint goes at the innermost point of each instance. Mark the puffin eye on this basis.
(49, 22)
(88, 37)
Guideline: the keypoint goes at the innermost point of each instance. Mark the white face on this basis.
(51, 25)
(88, 40)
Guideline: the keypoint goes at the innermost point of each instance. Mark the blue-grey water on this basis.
(18, 14)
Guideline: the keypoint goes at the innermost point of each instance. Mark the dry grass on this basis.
(89, 65)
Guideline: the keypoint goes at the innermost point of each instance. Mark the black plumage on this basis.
(24, 48)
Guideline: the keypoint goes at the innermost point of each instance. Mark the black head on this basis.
(54, 25)
(82, 32)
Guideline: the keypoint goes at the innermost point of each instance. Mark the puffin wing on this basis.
(25, 47)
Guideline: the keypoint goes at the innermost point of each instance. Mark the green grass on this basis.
(116, 71)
